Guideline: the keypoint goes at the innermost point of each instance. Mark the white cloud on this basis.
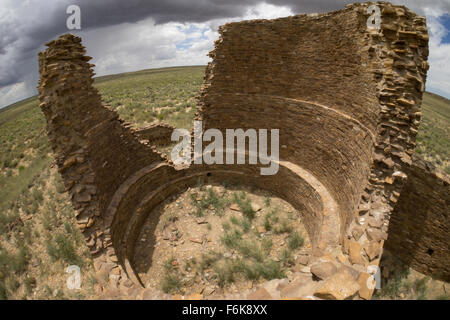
(267, 11)
(13, 93)
(142, 45)
(438, 79)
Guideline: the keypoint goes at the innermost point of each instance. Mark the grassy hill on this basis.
(38, 237)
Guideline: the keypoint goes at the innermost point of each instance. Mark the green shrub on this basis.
(295, 240)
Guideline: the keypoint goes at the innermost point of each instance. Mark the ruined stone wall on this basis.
(295, 74)
(337, 91)
(346, 100)
(419, 230)
(156, 134)
(94, 152)
(345, 97)
(398, 54)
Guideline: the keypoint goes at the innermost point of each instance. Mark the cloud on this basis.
(137, 34)
(439, 58)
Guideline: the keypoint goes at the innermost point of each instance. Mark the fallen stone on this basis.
(260, 294)
(340, 286)
(354, 272)
(389, 180)
(196, 240)
(342, 258)
(235, 207)
(273, 287)
(355, 253)
(115, 271)
(364, 291)
(293, 289)
(201, 220)
(303, 259)
(256, 207)
(323, 270)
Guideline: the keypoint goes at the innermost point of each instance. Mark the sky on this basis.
(131, 35)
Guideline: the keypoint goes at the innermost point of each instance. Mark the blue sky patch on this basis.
(191, 32)
(445, 20)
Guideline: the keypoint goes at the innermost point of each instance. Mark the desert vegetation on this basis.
(221, 239)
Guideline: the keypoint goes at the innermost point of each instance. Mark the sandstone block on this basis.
(323, 270)
(340, 286)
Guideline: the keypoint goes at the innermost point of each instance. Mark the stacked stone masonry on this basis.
(156, 134)
(346, 100)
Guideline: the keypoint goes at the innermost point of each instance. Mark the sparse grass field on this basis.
(38, 238)
(220, 239)
(433, 140)
(38, 234)
(400, 282)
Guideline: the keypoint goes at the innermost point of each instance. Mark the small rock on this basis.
(209, 290)
(260, 294)
(323, 270)
(340, 286)
(355, 273)
(305, 269)
(303, 259)
(357, 232)
(196, 240)
(256, 207)
(201, 220)
(372, 249)
(235, 207)
(364, 291)
(342, 258)
(355, 253)
(115, 271)
(389, 180)
(127, 283)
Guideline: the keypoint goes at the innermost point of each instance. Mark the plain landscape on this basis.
(38, 233)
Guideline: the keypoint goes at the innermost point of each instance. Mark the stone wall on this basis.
(419, 231)
(345, 98)
(94, 152)
(156, 134)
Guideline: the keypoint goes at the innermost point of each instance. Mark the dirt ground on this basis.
(205, 242)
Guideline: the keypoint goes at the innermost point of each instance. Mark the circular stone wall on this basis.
(345, 98)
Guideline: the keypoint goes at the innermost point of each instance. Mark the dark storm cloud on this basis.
(26, 26)
(30, 29)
